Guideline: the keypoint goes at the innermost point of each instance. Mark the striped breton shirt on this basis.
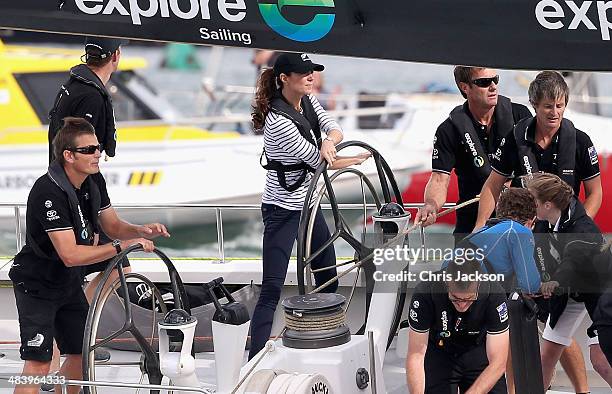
(283, 142)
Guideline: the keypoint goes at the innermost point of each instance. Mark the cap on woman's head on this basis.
(295, 63)
(101, 46)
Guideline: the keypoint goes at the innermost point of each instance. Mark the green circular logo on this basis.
(314, 30)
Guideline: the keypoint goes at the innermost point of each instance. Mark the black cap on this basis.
(102, 46)
(295, 63)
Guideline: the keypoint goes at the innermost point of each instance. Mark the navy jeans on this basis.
(280, 232)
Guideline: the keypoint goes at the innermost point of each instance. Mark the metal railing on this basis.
(217, 208)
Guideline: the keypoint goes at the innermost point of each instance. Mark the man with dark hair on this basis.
(458, 337)
(66, 210)
(84, 95)
(466, 141)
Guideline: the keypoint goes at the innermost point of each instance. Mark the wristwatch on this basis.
(117, 245)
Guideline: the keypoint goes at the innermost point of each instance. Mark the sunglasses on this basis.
(86, 150)
(486, 82)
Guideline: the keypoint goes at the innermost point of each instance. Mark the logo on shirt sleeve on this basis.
(414, 316)
(502, 311)
(52, 215)
(48, 204)
(593, 155)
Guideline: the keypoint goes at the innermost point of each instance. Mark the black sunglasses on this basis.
(486, 82)
(86, 150)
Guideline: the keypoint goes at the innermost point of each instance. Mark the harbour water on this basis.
(347, 75)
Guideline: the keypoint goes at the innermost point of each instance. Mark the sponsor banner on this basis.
(527, 34)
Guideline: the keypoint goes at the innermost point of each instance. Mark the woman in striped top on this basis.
(293, 122)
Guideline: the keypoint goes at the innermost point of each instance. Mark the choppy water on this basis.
(349, 74)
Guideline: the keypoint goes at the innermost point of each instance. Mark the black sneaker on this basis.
(48, 387)
(101, 355)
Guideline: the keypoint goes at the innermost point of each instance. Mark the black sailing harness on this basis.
(465, 126)
(466, 243)
(308, 126)
(564, 150)
(542, 237)
(83, 74)
(82, 232)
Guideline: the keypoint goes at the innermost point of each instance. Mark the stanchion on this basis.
(525, 345)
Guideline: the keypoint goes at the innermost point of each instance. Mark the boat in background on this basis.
(161, 158)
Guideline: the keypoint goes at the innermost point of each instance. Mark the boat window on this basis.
(127, 103)
(41, 89)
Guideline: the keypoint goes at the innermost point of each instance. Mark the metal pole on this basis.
(220, 235)
(18, 227)
(202, 390)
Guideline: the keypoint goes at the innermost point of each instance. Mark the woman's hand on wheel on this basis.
(363, 156)
(328, 151)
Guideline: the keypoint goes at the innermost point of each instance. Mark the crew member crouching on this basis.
(458, 337)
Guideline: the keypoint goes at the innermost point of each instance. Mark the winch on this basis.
(315, 321)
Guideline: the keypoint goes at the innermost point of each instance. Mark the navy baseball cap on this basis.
(295, 63)
(102, 46)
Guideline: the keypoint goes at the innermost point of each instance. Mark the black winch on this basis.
(315, 321)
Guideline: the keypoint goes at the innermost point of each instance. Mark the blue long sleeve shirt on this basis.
(509, 248)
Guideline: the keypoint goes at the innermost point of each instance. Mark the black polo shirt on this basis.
(450, 152)
(48, 210)
(431, 311)
(587, 163)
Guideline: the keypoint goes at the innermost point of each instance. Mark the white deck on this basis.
(234, 271)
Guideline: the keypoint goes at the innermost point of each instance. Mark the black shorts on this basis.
(41, 320)
(605, 341)
(445, 372)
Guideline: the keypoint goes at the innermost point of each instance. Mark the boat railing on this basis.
(19, 211)
(222, 119)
